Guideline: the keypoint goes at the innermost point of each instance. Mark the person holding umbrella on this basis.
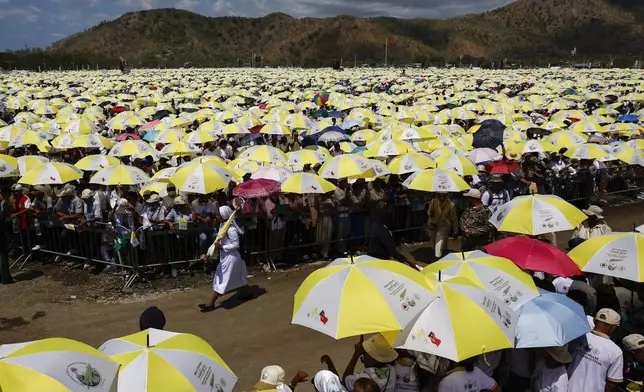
(550, 373)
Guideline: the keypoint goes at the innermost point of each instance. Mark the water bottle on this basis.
(16, 225)
(37, 228)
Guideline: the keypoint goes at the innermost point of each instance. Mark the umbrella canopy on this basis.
(482, 155)
(494, 274)
(256, 188)
(463, 322)
(537, 214)
(436, 180)
(202, 178)
(503, 167)
(154, 360)
(534, 255)
(456, 163)
(331, 300)
(550, 320)
(490, 134)
(410, 163)
(57, 364)
(307, 183)
(51, 173)
(266, 154)
(274, 173)
(344, 166)
(130, 148)
(120, 175)
(8, 165)
(28, 162)
(617, 254)
(96, 162)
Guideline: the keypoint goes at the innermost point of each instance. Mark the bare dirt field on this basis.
(51, 301)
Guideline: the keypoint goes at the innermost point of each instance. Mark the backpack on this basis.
(493, 197)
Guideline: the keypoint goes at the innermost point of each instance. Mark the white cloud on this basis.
(189, 5)
(139, 4)
(27, 14)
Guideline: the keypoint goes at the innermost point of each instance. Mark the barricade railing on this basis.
(286, 237)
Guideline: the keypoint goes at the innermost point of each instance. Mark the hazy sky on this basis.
(38, 23)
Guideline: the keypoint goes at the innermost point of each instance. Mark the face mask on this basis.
(172, 193)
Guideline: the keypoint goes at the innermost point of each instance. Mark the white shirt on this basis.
(406, 380)
(550, 380)
(385, 378)
(462, 381)
(594, 360)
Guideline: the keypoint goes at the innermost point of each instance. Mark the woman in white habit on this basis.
(231, 271)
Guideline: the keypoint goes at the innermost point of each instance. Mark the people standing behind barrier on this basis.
(342, 200)
(442, 223)
(21, 204)
(204, 210)
(125, 220)
(92, 214)
(69, 209)
(324, 223)
(535, 173)
(5, 212)
(476, 229)
(495, 195)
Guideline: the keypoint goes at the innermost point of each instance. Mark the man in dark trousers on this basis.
(5, 211)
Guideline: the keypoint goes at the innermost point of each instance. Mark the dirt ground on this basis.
(50, 301)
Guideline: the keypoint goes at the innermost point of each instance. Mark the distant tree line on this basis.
(39, 59)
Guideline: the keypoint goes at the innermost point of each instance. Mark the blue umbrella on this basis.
(629, 118)
(550, 320)
(335, 113)
(348, 124)
(150, 135)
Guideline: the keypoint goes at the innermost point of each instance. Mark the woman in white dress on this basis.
(231, 272)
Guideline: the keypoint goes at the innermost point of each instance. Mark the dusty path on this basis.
(248, 336)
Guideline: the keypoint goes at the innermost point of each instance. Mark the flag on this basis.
(390, 42)
(133, 240)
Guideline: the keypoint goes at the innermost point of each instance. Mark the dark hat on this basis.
(574, 242)
(496, 178)
(152, 317)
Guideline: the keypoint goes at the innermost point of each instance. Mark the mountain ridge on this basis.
(526, 29)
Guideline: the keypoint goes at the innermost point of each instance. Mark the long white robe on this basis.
(231, 272)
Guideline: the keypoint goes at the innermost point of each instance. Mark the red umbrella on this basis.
(150, 125)
(127, 136)
(256, 128)
(534, 255)
(118, 109)
(503, 167)
(256, 188)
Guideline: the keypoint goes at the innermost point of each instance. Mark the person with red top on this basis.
(20, 205)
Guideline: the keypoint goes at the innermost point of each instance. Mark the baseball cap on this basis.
(608, 316)
(16, 188)
(473, 193)
(271, 377)
(179, 200)
(86, 194)
(633, 342)
(154, 198)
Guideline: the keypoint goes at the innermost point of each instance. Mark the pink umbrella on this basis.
(150, 125)
(256, 188)
(127, 136)
(534, 255)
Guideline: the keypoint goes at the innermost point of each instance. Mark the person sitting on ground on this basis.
(152, 317)
(633, 363)
(377, 356)
(592, 227)
(465, 373)
(273, 376)
(550, 371)
(597, 362)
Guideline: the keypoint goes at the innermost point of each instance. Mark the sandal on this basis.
(207, 309)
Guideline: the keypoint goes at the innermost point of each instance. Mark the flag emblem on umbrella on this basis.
(84, 374)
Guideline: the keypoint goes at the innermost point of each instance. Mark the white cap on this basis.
(86, 194)
(271, 377)
(473, 193)
(562, 285)
(16, 188)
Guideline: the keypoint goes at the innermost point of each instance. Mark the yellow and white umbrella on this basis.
(28, 137)
(631, 156)
(536, 215)
(587, 151)
(410, 163)
(171, 135)
(92, 141)
(164, 175)
(388, 148)
(202, 178)
(51, 173)
(213, 127)
(28, 162)
(232, 129)
(331, 300)
(56, 365)
(180, 148)
(81, 126)
(8, 165)
(96, 162)
(275, 129)
(462, 322)
(158, 187)
(120, 175)
(436, 180)
(130, 148)
(198, 137)
(156, 361)
(305, 157)
(616, 254)
(344, 166)
(266, 154)
(121, 123)
(64, 141)
(306, 183)
(496, 275)
(567, 139)
(364, 135)
(456, 163)
(532, 146)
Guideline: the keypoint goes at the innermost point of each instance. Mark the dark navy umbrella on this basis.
(489, 135)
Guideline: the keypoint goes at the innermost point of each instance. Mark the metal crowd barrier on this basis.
(283, 238)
